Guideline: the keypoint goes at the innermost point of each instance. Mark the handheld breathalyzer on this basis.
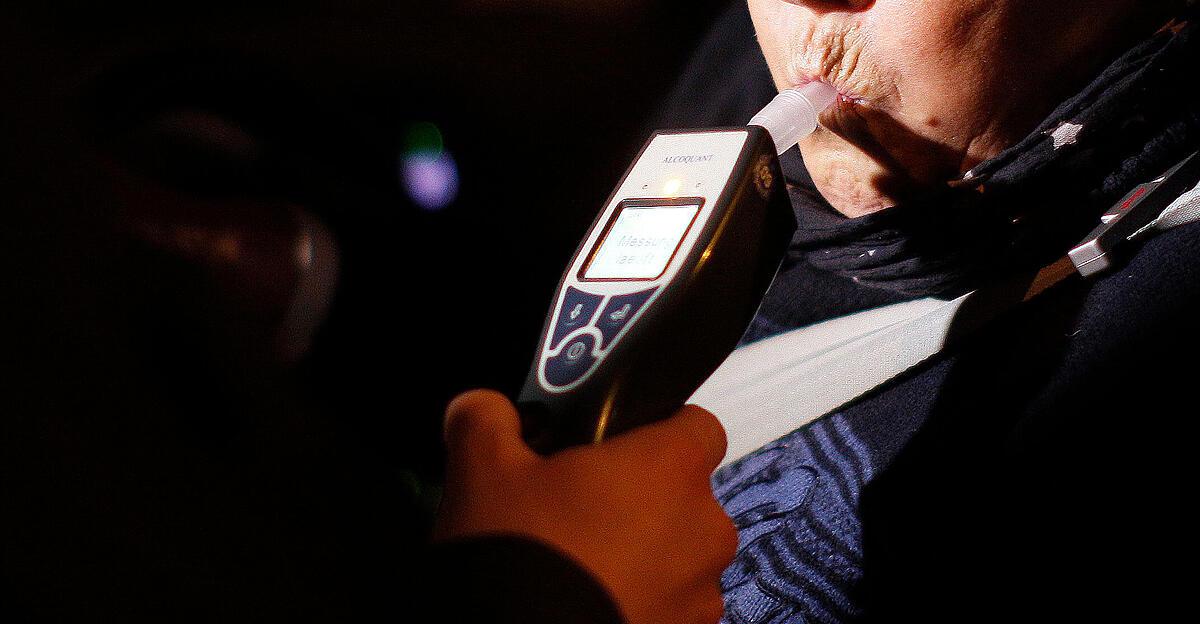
(667, 278)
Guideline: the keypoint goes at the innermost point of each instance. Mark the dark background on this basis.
(173, 428)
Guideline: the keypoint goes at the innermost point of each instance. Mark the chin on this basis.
(850, 180)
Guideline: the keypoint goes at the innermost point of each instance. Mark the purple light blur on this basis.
(430, 178)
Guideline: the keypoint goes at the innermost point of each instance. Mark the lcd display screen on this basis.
(640, 242)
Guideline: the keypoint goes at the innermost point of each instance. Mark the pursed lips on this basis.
(843, 95)
(825, 48)
(843, 73)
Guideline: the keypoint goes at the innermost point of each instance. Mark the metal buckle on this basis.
(1131, 215)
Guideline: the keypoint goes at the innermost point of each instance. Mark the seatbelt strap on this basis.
(772, 387)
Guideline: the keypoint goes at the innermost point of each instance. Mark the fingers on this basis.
(484, 424)
(692, 435)
(707, 431)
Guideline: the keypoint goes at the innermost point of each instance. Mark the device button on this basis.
(578, 307)
(573, 362)
(619, 311)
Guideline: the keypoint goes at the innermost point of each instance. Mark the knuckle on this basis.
(705, 434)
(459, 427)
(459, 412)
(473, 401)
(715, 429)
(471, 413)
(698, 417)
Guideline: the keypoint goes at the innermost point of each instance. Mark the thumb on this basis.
(692, 436)
(483, 425)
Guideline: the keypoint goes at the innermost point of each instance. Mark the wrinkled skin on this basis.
(933, 87)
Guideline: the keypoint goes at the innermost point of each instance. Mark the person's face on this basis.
(931, 87)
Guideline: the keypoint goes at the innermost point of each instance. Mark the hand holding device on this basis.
(637, 511)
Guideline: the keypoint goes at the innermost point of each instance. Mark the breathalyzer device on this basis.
(667, 278)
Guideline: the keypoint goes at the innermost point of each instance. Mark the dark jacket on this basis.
(1039, 470)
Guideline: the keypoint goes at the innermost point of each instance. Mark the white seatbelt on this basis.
(772, 387)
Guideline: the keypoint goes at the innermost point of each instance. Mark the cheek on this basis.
(939, 51)
(923, 39)
(771, 19)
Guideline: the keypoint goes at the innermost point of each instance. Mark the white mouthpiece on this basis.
(792, 115)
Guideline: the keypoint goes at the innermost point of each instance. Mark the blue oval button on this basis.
(573, 362)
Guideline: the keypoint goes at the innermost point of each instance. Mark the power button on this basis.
(573, 362)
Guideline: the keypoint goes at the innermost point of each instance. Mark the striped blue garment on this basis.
(800, 540)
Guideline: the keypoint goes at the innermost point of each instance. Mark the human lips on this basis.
(844, 64)
(836, 52)
(853, 80)
(846, 116)
(844, 94)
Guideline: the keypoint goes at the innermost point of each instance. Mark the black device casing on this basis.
(691, 327)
